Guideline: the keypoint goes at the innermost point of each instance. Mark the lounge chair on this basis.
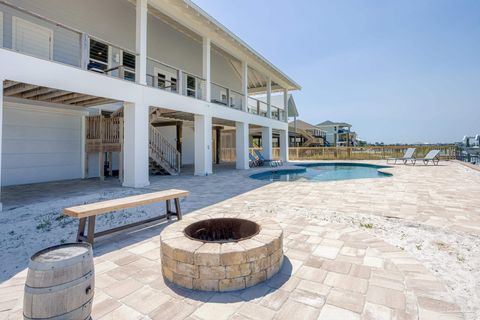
(406, 157)
(253, 161)
(273, 163)
(431, 156)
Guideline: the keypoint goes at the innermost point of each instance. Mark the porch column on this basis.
(203, 144)
(269, 97)
(1, 139)
(135, 144)
(245, 86)
(141, 42)
(241, 139)
(206, 67)
(285, 103)
(283, 141)
(267, 142)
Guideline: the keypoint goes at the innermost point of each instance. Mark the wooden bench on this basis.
(90, 211)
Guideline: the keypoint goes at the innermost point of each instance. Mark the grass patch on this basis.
(366, 225)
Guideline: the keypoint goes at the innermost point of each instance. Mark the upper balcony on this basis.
(172, 57)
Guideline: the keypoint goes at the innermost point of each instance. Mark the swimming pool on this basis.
(323, 172)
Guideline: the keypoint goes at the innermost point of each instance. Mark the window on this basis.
(128, 61)
(191, 86)
(98, 56)
(166, 82)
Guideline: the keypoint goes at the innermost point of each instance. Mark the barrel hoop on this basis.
(48, 266)
(42, 290)
(68, 315)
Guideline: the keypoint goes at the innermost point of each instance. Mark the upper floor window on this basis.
(98, 56)
(191, 86)
(128, 61)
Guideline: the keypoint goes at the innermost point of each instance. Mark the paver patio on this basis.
(330, 271)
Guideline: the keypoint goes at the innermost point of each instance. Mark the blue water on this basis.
(323, 172)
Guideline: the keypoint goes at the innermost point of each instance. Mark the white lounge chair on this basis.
(431, 156)
(407, 156)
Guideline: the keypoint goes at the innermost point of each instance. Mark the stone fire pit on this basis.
(221, 254)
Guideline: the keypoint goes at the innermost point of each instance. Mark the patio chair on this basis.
(431, 156)
(407, 156)
(253, 161)
(273, 163)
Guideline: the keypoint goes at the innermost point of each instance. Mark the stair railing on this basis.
(162, 151)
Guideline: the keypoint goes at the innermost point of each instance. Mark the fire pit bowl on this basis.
(221, 253)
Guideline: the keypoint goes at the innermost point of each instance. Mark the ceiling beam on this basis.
(22, 87)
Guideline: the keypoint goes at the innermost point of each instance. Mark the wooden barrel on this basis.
(60, 283)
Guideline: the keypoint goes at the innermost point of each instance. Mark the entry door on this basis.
(32, 39)
(166, 80)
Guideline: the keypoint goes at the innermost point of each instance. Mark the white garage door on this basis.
(40, 145)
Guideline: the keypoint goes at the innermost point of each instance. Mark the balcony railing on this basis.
(277, 113)
(257, 107)
(43, 38)
(226, 96)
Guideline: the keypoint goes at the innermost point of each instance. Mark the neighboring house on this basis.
(338, 134)
(97, 87)
(303, 134)
(471, 141)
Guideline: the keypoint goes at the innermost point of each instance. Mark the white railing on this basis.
(257, 107)
(226, 96)
(73, 47)
(162, 151)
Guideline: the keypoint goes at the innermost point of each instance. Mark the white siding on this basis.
(114, 21)
(40, 144)
(1, 29)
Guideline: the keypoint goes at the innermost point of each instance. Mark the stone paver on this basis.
(329, 271)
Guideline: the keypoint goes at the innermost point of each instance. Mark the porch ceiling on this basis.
(51, 95)
(191, 17)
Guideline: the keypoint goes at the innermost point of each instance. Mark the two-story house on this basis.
(338, 134)
(91, 87)
(304, 134)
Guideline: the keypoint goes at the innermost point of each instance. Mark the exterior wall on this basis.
(170, 133)
(114, 21)
(40, 144)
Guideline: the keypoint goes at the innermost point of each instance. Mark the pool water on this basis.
(323, 172)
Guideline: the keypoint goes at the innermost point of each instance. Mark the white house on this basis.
(124, 85)
(338, 134)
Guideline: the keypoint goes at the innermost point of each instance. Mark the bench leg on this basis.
(91, 229)
(169, 209)
(81, 229)
(177, 209)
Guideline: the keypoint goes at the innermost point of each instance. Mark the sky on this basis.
(399, 71)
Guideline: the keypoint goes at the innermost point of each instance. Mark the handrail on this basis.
(162, 151)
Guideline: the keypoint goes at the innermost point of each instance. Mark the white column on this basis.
(245, 86)
(284, 145)
(267, 142)
(141, 42)
(206, 67)
(242, 145)
(135, 161)
(83, 146)
(285, 103)
(1, 139)
(269, 97)
(203, 145)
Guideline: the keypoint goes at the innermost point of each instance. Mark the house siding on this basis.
(40, 145)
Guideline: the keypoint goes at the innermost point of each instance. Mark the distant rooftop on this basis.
(302, 125)
(331, 123)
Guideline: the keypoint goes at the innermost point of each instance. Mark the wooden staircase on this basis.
(310, 139)
(105, 135)
(164, 157)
